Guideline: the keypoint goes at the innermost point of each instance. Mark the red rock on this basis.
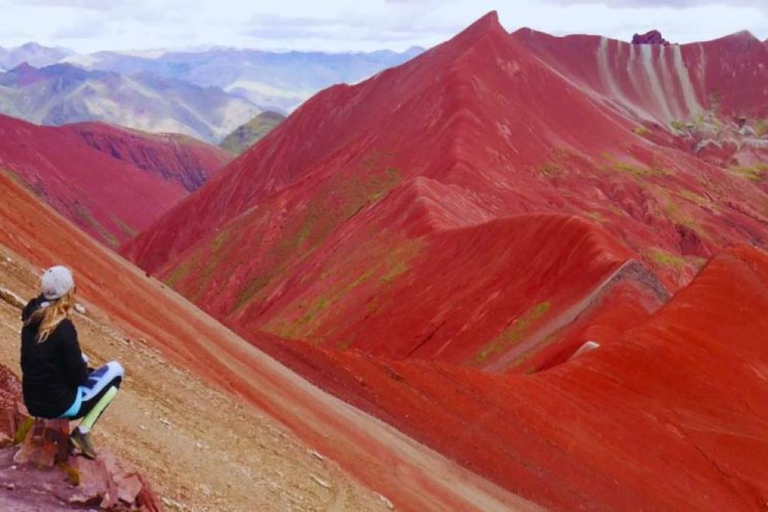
(46, 444)
(10, 396)
(651, 37)
(105, 482)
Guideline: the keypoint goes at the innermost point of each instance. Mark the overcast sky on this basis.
(352, 25)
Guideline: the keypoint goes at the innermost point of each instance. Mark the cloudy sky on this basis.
(344, 25)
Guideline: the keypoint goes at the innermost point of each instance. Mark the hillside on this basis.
(202, 446)
(251, 132)
(206, 433)
(174, 158)
(110, 181)
(62, 93)
(436, 244)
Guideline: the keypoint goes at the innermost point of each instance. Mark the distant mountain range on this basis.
(269, 79)
(63, 93)
(204, 94)
(33, 54)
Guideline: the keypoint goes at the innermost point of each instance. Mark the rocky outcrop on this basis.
(652, 37)
(38, 471)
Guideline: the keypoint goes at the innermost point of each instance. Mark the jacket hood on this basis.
(31, 307)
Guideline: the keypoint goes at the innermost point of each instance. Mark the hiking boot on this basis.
(83, 443)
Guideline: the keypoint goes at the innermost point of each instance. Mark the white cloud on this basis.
(351, 25)
(676, 4)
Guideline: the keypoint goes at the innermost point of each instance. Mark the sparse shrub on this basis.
(23, 430)
(642, 131)
(754, 173)
(72, 474)
(761, 127)
(677, 125)
(550, 170)
(667, 259)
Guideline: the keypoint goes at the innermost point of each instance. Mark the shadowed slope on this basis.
(174, 158)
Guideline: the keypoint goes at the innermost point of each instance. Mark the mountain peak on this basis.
(31, 45)
(489, 23)
(742, 37)
(23, 68)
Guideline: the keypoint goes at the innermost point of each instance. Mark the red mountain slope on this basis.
(442, 137)
(175, 158)
(110, 198)
(670, 417)
(661, 82)
(484, 211)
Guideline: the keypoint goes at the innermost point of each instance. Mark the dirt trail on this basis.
(631, 270)
(202, 449)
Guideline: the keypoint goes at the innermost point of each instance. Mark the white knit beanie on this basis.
(56, 282)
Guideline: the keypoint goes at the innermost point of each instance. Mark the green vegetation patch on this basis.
(761, 127)
(642, 131)
(693, 197)
(516, 332)
(340, 199)
(551, 170)
(250, 133)
(21, 433)
(179, 273)
(756, 173)
(85, 215)
(125, 228)
(72, 475)
(667, 259)
(677, 125)
(612, 164)
(366, 272)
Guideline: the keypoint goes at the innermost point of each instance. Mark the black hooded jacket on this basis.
(51, 370)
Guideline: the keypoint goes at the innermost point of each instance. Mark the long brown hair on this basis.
(51, 315)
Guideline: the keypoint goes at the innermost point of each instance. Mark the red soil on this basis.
(670, 416)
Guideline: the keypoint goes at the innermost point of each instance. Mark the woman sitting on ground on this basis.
(56, 380)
